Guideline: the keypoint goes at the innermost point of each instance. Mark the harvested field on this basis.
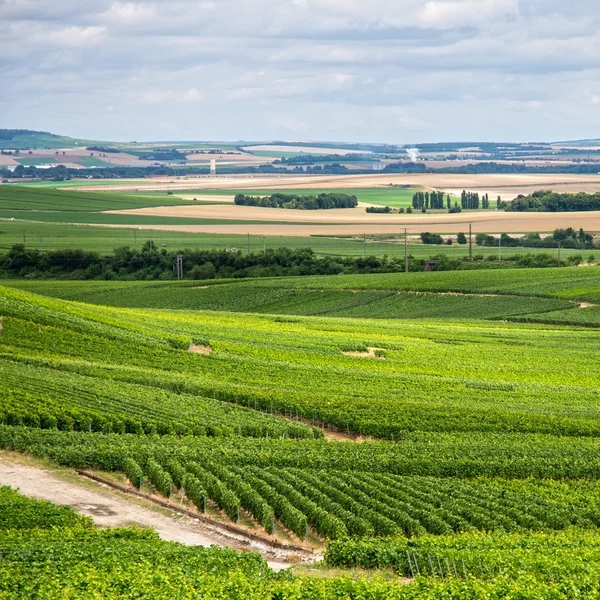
(356, 220)
(304, 149)
(506, 186)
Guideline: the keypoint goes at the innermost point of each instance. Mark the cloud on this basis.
(129, 12)
(388, 70)
(441, 14)
(69, 37)
(160, 96)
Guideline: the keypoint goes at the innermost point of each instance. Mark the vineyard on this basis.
(459, 452)
(537, 295)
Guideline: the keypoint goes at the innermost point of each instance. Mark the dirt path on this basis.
(110, 509)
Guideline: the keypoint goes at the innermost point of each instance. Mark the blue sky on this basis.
(399, 71)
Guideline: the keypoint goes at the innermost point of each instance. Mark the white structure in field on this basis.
(213, 167)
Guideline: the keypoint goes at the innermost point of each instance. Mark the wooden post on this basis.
(405, 252)
(470, 244)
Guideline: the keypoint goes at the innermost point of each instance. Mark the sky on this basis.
(396, 71)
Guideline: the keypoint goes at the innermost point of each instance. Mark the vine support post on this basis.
(405, 251)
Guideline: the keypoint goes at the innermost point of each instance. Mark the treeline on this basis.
(293, 201)
(378, 209)
(104, 149)
(306, 159)
(431, 200)
(549, 201)
(60, 172)
(471, 200)
(568, 238)
(149, 263)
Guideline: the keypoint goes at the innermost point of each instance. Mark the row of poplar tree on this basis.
(437, 200)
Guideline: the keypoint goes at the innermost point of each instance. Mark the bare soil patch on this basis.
(369, 353)
(586, 304)
(200, 348)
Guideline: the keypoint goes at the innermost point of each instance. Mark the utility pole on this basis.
(405, 251)
(470, 244)
(179, 267)
(559, 253)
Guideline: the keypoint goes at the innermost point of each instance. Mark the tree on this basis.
(461, 238)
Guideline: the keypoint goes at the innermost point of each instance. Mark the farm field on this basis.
(56, 548)
(392, 197)
(282, 298)
(59, 236)
(453, 434)
(574, 284)
(508, 186)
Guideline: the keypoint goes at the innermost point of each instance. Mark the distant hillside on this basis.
(591, 142)
(26, 139)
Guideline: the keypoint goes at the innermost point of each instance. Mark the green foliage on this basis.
(194, 491)
(159, 478)
(293, 201)
(549, 201)
(20, 512)
(134, 472)
(27, 198)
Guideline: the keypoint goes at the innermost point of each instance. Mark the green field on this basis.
(389, 196)
(92, 161)
(570, 284)
(26, 139)
(58, 236)
(35, 162)
(475, 470)
(280, 296)
(26, 198)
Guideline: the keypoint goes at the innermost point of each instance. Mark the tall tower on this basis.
(213, 167)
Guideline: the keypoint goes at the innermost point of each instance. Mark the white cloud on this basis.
(129, 12)
(392, 70)
(69, 37)
(442, 14)
(160, 96)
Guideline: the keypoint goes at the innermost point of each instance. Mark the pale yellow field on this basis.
(505, 186)
(304, 150)
(352, 221)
